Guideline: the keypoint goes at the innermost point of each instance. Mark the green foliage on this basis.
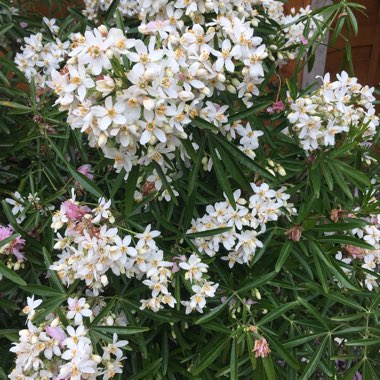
(295, 293)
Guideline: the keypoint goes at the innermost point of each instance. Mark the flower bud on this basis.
(235, 82)
(55, 322)
(104, 280)
(205, 91)
(186, 96)
(231, 89)
(152, 140)
(103, 30)
(281, 171)
(291, 56)
(109, 321)
(221, 77)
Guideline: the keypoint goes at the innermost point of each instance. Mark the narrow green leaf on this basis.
(111, 11)
(277, 312)
(148, 371)
(11, 275)
(203, 124)
(269, 367)
(85, 182)
(165, 182)
(41, 290)
(220, 175)
(284, 254)
(210, 353)
(233, 361)
(122, 330)
(213, 313)
(215, 231)
(258, 282)
(243, 158)
(314, 361)
(346, 240)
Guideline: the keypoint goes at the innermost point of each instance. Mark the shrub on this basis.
(174, 209)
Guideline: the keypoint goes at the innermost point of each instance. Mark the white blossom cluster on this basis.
(127, 8)
(52, 350)
(38, 58)
(157, 15)
(91, 247)
(369, 259)
(202, 288)
(140, 114)
(246, 222)
(333, 109)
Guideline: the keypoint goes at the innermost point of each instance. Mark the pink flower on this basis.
(15, 246)
(56, 333)
(303, 40)
(261, 348)
(277, 107)
(86, 171)
(74, 211)
(177, 259)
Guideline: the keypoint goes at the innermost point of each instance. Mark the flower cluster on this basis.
(139, 115)
(93, 8)
(369, 259)
(245, 223)
(333, 109)
(91, 247)
(59, 351)
(12, 251)
(202, 288)
(38, 59)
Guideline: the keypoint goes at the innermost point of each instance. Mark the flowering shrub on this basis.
(163, 184)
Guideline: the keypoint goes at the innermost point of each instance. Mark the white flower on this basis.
(32, 304)
(194, 267)
(78, 308)
(110, 113)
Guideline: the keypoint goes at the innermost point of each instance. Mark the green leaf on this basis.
(203, 124)
(346, 240)
(269, 367)
(122, 330)
(8, 239)
(148, 371)
(336, 227)
(363, 342)
(213, 313)
(210, 353)
(85, 182)
(41, 290)
(11, 275)
(249, 111)
(243, 158)
(4, 28)
(165, 182)
(277, 312)
(47, 307)
(233, 361)
(53, 274)
(111, 11)
(215, 231)
(282, 351)
(17, 106)
(314, 361)
(315, 178)
(221, 176)
(284, 254)
(258, 282)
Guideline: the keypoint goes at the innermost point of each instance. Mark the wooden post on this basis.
(320, 55)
